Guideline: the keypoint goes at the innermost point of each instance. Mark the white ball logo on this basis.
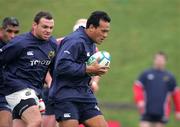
(150, 76)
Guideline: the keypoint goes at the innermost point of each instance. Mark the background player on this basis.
(9, 29)
(27, 59)
(152, 93)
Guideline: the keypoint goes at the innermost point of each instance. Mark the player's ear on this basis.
(91, 28)
(34, 25)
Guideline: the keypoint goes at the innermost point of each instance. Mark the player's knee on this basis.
(5, 125)
(6, 120)
(35, 123)
(101, 124)
(69, 123)
(145, 124)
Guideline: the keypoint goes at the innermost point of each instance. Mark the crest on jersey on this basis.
(51, 54)
(166, 78)
(28, 93)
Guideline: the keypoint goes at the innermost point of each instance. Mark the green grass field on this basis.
(139, 28)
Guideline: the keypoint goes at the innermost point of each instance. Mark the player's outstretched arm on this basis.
(176, 100)
(139, 96)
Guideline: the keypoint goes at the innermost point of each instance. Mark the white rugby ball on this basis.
(104, 58)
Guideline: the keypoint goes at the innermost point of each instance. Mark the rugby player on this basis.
(9, 29)
(27, 59)
(152, 93)
(73, 99)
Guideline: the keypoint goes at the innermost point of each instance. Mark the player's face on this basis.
(44, 28)
(101, 32)
(9, 32)
(159, 62)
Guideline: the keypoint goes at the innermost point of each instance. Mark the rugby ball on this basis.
(103, 56)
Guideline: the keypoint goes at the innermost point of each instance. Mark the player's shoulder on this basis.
(147, 71)
(78, 36)
(169, 73)
(19, 40)
(73, 39)
(53, 42)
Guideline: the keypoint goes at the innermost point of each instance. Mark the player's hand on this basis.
(141, 107)
(96, 69)
(42, 106)
(177, 115)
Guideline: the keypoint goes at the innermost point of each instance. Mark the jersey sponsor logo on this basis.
(66, 51)
(30, 53)
(67, 115)
(40, 62)
(150, 76)
(51, 54)
(96, 107)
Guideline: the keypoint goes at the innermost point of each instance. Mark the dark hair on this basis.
(162, 54)
(42, 14)
(10, 21)
(95, 18)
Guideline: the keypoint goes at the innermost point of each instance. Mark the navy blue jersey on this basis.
(27, 60)
(2, 44)
(157, 85)
(70, 81)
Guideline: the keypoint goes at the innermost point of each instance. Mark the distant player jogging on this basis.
(152, 92)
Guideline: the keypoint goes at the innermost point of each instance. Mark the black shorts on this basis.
(154, 118)
(49, 107)
(22, 106)
(44, 96)
(75, 110)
